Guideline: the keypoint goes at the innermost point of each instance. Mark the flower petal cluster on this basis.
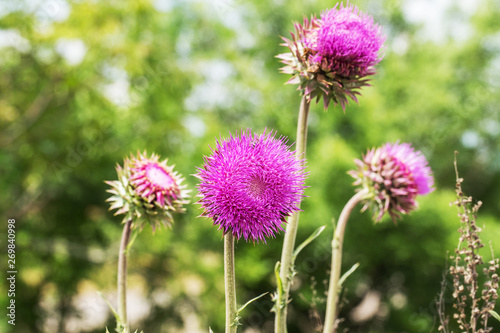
(393, 176)
(250, 183)
(332, 56)
(147, 191)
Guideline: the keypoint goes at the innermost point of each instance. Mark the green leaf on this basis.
(250, 301)
(135, 232)
(110, 307)
(313, 236)
(495, 315)
(279, 287)
(346, 274)
(279, 283)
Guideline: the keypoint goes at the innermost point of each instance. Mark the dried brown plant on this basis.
(472, 304)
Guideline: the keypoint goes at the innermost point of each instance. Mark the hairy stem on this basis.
(229, 281)
(337, 242)
(291, 228)
(122, 277)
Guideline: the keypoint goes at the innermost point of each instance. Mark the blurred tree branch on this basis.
(32, 114)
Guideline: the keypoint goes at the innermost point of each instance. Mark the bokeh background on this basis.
(85, 83)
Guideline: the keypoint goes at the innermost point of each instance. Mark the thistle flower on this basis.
(250, 184)
(147, 190)
(332, 56)
(393, 175)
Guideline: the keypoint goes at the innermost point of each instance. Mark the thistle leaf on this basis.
(110, 307)
(279, 288)
(250, 301)
(347, 274)
(313, 236)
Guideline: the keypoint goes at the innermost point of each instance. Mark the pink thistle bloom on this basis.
(250, 184)
(154, 181)
(147, 191)
(332, 56)
(393, 175)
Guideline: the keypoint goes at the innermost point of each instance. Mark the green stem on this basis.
(286, 268)
(337, 242)
(122, 277)
(229, 281)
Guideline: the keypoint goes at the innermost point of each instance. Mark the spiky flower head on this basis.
(147, 191)
(393, 176)
(331, 57)
(250, 184)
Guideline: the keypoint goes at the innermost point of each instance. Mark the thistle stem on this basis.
(286, 267)
(229, 282)
(122, 277)
(337, 242)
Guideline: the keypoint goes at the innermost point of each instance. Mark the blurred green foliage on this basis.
(84, 84)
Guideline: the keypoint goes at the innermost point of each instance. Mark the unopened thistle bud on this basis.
(147, 191)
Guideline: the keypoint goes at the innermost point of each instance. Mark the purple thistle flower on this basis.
(347, 42)
(250, 184)
(147, 190)
(393, 175)
(332, 56)
(154, 181)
